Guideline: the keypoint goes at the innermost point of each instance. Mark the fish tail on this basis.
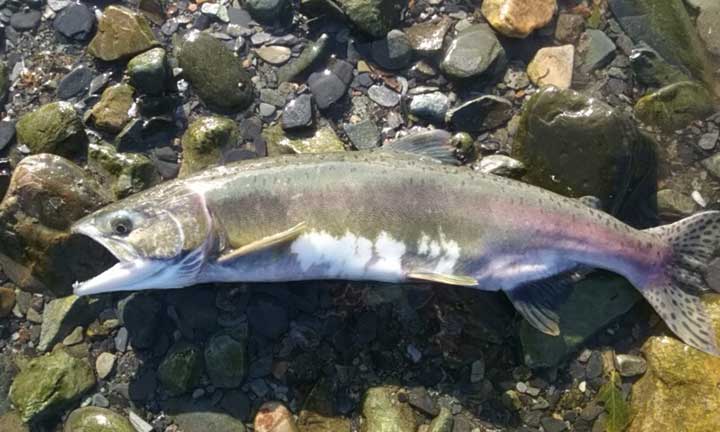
(675, 291)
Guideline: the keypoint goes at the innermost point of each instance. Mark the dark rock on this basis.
(596, 50)
(149, 71)
(652, 70)
(298, 113)
(180, 370)
(239, 16)
(53, 128)
(269, 11)
(154, 10)
(7, 134)
(364, 135)
(551, 424)
(419, 398)
(384, 96)
(75, 83)
(472, 52)
(226, 360)
(330, 85)
(237, 404)
(675, 106)
(311, 55)
(393, 52)
(75, 23)
(569, 27)
(374, 17)
(140, 313)
(26, 19)
(481, 114)
(267, 318)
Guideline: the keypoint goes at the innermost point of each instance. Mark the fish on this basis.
(406, 212)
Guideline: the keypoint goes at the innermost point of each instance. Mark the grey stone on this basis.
(393, 52)
(472, 52)
(708, 26)
(427, 38)
(630, 365)
(274, 54)
(596, 50)
(75, 23)
(26, 19)
(75, 83)
(481, 114)
(268, 10)
(60, 317)
(330, 85)
(502, 165)
(430, 106)
(383, 96)
(298, 113)
(709, 140)
(266, 110)
(7, 133)
(363, 135)
(309, 56)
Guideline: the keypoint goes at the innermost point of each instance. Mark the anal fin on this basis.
(457, 280)
(263, 243)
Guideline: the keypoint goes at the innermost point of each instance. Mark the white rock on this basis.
(553, 66)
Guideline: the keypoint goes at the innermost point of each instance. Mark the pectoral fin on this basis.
(458, 280)
(263, 243)
(538, 300)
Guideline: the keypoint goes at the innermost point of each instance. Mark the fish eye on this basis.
(121, 226)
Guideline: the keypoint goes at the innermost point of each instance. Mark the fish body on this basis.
(393, 217)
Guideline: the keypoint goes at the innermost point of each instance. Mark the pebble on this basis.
(266, 110)
(430, 106)
(74, 338)
(274, 417)
(419, 398)
(330, 85)
(58, 5)
(394, 51)
(630, 365)
(518, 18)
(709, 140)
(75, 23)
(215, 9)
(298, 113)
(472, 52)
(274, 54)
(477, 371)
(551, 424)
(594, 365)
(139, 423)
(582, 386)
(75, 83)
(502, 165)
(427, 38)
(104, 364)
(595, 49)
(7, 299)
(569, 27)
(383, 96)
(25, 20)
(481, 114)
(99, 400)
(363, 135)
(553, 66)
(7, 133)
(121, 339)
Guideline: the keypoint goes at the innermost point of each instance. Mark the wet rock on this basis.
(111, 113)
(709, 140)
(674, 205)
(595, 50)
(502, 165)
(50, 383)
(427, 38)
(374, 17)
(430, 106)
(330, 85)
(630, 365)
(274, 54)
(382, 411)
(675, 106)
(472, 52)
(180, 370)
(7, 135)
(443, 422)
(204, 141)
(383, 96)
(25, 19)
(569, 27)
(75, 23)
(139, 313)
(4, 81)
(61, 316)
(105, 364)
(309, 56)
(518, 18)
(553, 66)
(708, 26)
(46, 194)
(215, 73)
(298, 113)
(594, 302)
(419, 399)
(53, 128)
(652, 70)
(200, 416)
(481, 114)
(121, 33)
(262, 307)
(11, 422)
(128, 173)
(394, 51)
(75, 83)
(274, 417)
(269, 11)
(594, 149)
(226, 360)
(94, 419)
(149, 71)
(551, 424)
(7, 301)
(363, 135)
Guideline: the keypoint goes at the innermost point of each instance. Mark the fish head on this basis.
(159, 238)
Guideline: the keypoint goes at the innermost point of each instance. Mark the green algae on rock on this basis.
(149, 71)
(443, 422)
(96, 419)
(61, 316)
(112, 112)
(215, 73)
(226, 360)
(53, 128)
(383, 411)
(204, 141)
(50, 383)
(374, 17)
(121, 33)
(181, 368)
(128, 173)
(675, 106)
(322, 140)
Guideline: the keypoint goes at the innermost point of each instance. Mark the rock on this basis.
(61, 316)
(652, 70)
(551, 424)
(443, 422)
(36, 251)
(708, 26)
(128, 173)
(674, 205)
(502, 165)
(200, 416)
(53, 128)
(94, 419)
(594, 149)
(149, 71)
(274, 54)
(553, 66)
(595, 50)
(419, 399)
(25, 19)
(75, 23)
(679, 385)
(121, 34)
(518, 18)
(472, 52)
(709, 140)
(4, 81)
(394, 51)
(11, 422)
(481, 114)
(139, 313)
(364, 135)
(269, 11)
(226, 360)
(667, 28)
(427, 38)
(374, 17)
(712, 165)
(105, 364)
(111, 113)
(310, 421)
(382, 411)
(258, 311)
(594, 302)
(215, 73)
(274, 417)
(630, 365)
(138, 422)
(569, 28)
(7, 135)
(675, 106)
(204, 141)
(7, 301)
(383, 96)
(75, 83)
(180, 370)
(298, 113)
(330, 85)
(312, 54)
(49, 383)
(430, 106)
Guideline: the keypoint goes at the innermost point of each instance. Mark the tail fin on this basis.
(675, 293)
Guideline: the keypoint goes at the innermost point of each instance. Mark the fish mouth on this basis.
(131, 272)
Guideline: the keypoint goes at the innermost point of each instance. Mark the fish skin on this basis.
(380, 215)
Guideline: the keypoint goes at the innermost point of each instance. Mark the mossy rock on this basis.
(53, 128)
(121, 33)
(181, 368)
(226, 360)
(675, 106)
(128, 173)
(111, 113)
(383, 411)
(322, 140)
(204, 141)
(374, 17)
(96, 419)
(149, 71)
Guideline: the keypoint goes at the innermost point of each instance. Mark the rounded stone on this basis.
(105, 364)
(553, 66)
(472, 52)
(204, 140)
(675, 106)
(180, 370)
(75, 23)
(53, 128)
(518, 18)
(274, 417)
(274, 54)
(268, 10)
(226, 361)
(111, 113)
(394, 51)
(7, 301)
(149, 71)
(95, 419)
(121, 33)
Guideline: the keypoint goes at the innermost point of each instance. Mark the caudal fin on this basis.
(674, 294)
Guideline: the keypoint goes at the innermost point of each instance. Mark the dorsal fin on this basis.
(436, 144)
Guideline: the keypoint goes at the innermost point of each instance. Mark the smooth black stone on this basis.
(25, 20)
(140, 313)
(330, 85)
(298, 113)
(76, 23)
(75, 82)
